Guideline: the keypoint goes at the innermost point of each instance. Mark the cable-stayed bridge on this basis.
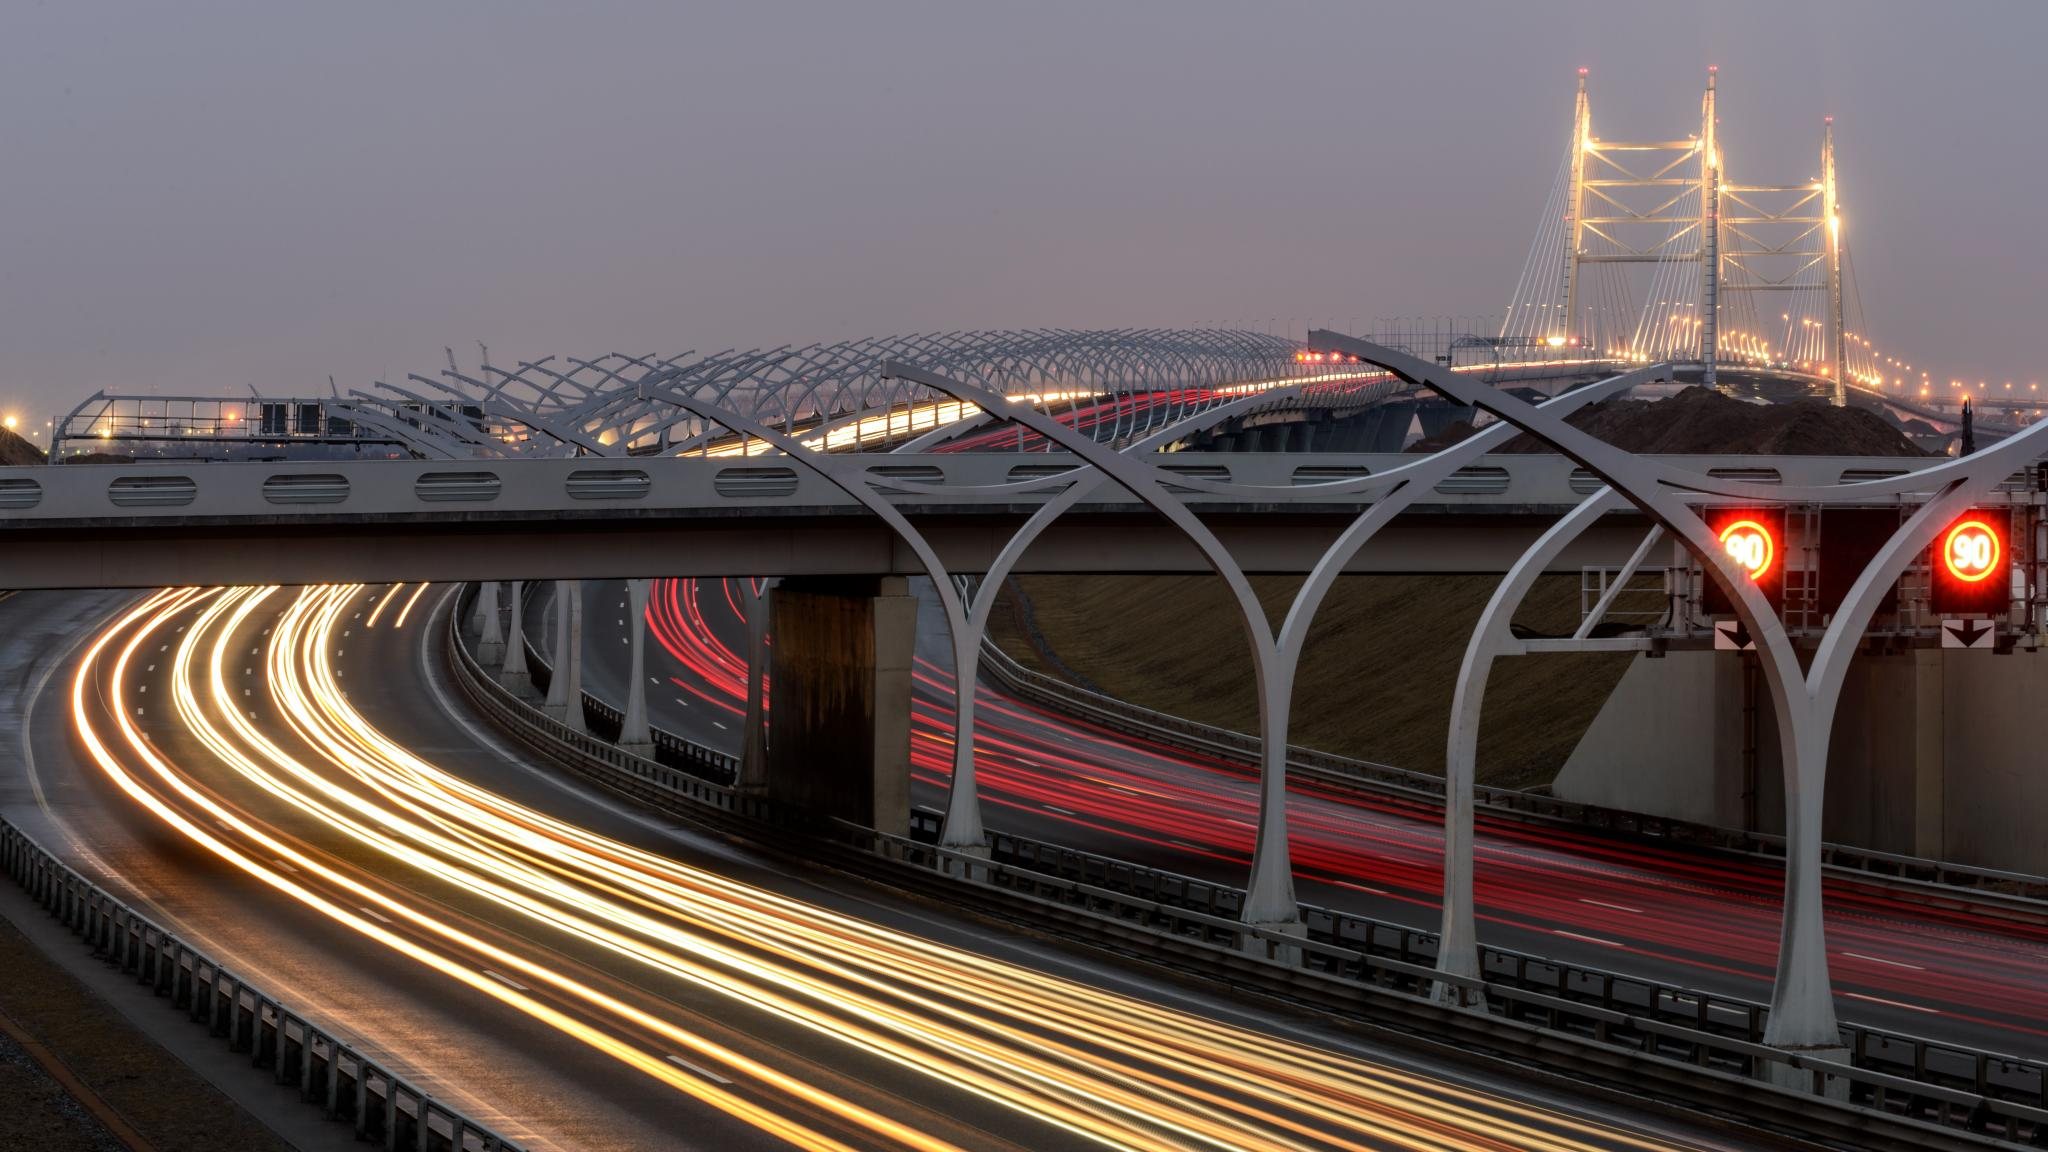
(1657, 250)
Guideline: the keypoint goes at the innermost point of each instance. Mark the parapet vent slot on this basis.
(152, 491)
(1218, 473)
(608, 484)
(914, 473)
(1584, 483)
(1866, 475)
(756, 482)
(2017, 482)
(1309, 475)
(322, 488)
(1475, 480)
(1022, 472)
(1747, 475)
(453, 487)
(20, 492)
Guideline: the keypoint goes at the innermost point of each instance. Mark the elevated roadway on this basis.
(119, 526)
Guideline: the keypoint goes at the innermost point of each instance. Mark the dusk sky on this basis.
(201, 197)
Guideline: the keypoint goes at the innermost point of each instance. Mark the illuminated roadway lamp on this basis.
(1751, 546)
(1971, 551)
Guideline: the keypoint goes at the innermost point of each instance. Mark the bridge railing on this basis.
(329, 1072)
(2011, 893)
(1341, 955)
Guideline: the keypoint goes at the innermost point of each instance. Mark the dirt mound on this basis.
(1700, 420)
(14, 450)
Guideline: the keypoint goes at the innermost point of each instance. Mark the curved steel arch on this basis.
(1802, 1006)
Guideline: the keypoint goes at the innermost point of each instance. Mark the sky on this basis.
(201, 197)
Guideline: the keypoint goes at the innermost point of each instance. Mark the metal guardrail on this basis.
(1891, 1076)
(2009, 891)
(347, 1085)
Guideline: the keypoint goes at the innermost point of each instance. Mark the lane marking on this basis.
(282, 864)
(372, 913)
(1360, 888)
(1616, 907)
(1893, 1003)
(507, 981)
(1882, 960)
(699, 1069)
(1061, 811)
(1588, 939)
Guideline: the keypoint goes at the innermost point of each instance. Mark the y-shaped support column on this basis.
(514, 674)
(1458, 946)
(565, 683)
(1802, 1007)
(490, 644)
(634, 734)
(754, 742)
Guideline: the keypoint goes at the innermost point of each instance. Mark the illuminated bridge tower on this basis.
(1739, 274)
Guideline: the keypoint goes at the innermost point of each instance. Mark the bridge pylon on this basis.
(1723, 257)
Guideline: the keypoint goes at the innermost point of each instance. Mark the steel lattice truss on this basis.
(615, 404)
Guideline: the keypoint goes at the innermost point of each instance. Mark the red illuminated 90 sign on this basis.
(1749, 544)
(1971, 551)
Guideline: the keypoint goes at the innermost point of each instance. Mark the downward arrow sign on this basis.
(1964, 633)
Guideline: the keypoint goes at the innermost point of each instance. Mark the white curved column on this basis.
(1458, 943)
(514, 674)
(565, 681)
(753, 774)
(634, 734)
(1802, 1007)
(490, 644)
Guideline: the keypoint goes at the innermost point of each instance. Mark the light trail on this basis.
(409, 602)
(1712, 918)
(1114, 1070)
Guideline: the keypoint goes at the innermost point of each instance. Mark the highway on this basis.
(283, 775)
(1691, 918)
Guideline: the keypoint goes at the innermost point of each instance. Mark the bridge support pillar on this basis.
(839, 738)
(754, 741)
(634, 734)
(565, 684)
(514, 675)
(490, 644)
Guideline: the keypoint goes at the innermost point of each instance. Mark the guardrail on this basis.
(347, 1085)
(2013, 892)
(1698, 1043)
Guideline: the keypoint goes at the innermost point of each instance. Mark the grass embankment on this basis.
(1376, 676)
(16, 451)
(150, 1099)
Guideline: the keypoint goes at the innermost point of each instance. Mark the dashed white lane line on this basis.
(1588, 939)
(1061, 811)
(373, 914)
(720, 723)
(1616, 907)
(1893, 1003)
(507, 981)
(1882, 960)
(283, 865)
(1360, 887)
(699, 1069)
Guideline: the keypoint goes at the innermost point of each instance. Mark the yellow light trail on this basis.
(407, 610)
(1119, 1071)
